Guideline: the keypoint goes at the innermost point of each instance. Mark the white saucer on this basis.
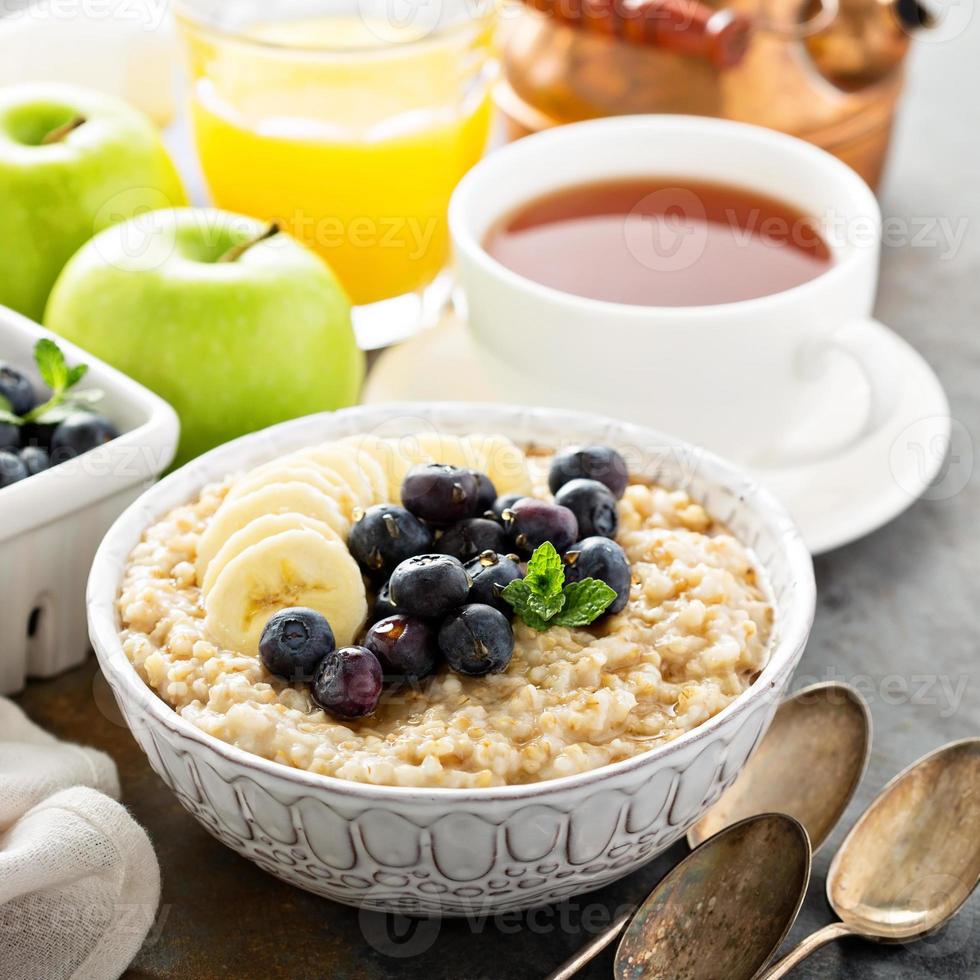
(835, 501)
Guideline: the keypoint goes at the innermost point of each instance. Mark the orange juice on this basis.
(350, 134)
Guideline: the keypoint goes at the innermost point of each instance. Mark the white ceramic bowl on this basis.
(51, 524)
(445, 851)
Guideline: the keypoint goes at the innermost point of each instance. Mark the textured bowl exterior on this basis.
(456, 852)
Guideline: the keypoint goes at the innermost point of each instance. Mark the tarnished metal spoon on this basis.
(822, 732)
(725, 909)
(911, 861)
(809, 765)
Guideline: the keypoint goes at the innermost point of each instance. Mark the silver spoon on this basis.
(725, 909)
(824, 730)
(809, 765)
(911, 861)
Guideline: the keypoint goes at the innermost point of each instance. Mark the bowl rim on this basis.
(127, 530)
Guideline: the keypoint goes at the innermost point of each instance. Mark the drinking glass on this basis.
(348, 123)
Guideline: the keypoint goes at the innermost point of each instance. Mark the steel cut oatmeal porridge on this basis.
(694, 633)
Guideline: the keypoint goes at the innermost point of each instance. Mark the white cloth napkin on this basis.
(79, 882)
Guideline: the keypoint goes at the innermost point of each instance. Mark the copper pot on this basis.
(829, 71)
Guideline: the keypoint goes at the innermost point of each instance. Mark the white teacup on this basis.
(761, 380)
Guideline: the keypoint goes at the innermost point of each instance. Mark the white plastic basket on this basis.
(52, 523)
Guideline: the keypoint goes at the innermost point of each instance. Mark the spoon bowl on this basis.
(725, 909)
(911, 861)
(913, 858)
(824, 732)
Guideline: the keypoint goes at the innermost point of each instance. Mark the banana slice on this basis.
(385, 453)
(294, 568)
(502, 460)
(371, 469)
(293, 469)
(435, 447)
(285, 470)
(254, 532)
(274, 498)
(339, 463)
(497, 456)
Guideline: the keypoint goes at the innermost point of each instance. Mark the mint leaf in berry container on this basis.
(41, 431)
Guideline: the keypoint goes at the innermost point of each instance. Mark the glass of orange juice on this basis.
(348, 123)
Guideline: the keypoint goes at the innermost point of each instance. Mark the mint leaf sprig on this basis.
(60, 378)
(6, 415)
(543, 600)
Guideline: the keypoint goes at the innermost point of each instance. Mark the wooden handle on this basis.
(687, 27)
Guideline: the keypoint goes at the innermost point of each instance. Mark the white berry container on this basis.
(461, 851)
(52, 523)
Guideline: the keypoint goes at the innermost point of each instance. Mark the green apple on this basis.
(72, 162)
(234, 323)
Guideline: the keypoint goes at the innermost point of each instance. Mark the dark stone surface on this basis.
(897, 617)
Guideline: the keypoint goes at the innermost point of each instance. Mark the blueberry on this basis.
(294, 642)
(35, 459)
(505, 503)
(80, 432)
(603, 559)
(37, 434)
(384, 536)
(9, 436)
(348, 683)
(440, 493)
(531, 522)
(477, 640)
(593, 505)
(404, 645)
(486, 492)
(591, 463)
(383, 605)
(429, 585)
(490, 574)
(12, 470)
(468, 538)
(15, 387)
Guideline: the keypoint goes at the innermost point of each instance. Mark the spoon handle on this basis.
(588, 952)
(809, 945)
